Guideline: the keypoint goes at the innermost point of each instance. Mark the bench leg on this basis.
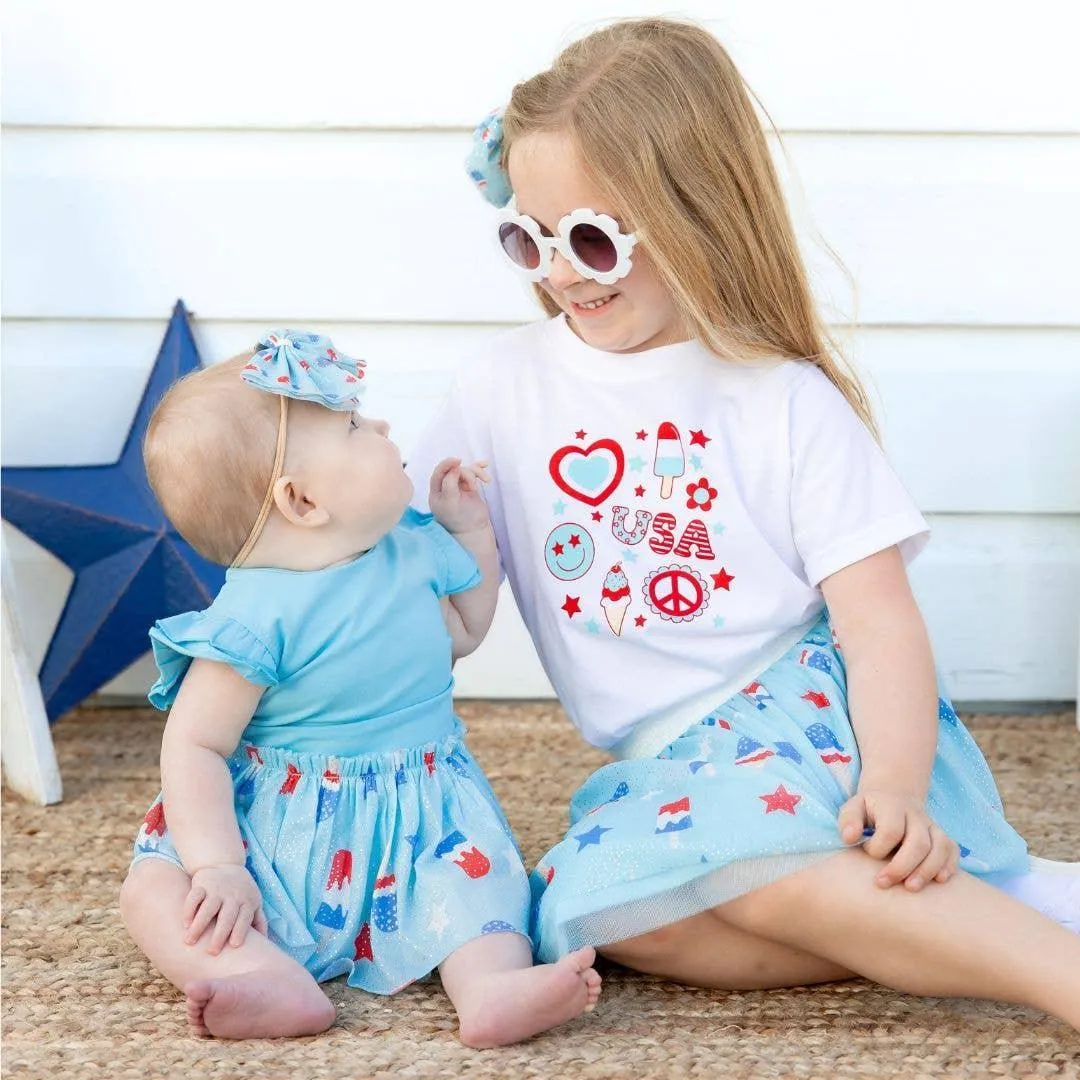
(26, 746)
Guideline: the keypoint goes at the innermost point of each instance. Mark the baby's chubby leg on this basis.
(501, 998)
(254, 991)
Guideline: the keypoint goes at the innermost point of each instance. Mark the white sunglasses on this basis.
(590, 242)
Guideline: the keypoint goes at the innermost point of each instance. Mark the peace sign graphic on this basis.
(677, 592)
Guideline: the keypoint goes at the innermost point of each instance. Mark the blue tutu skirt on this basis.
(375, 867)
(745, 796)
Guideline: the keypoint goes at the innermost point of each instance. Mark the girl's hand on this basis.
(901, 831)
(455, 498)
(228, 897)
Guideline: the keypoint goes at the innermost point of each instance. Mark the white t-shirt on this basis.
(664, 517)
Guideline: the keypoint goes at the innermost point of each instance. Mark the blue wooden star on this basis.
(131, 567)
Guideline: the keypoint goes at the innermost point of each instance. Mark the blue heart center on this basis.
(589, 473)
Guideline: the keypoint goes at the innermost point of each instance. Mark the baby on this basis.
(320, 814)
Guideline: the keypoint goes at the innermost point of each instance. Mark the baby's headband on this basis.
(484, 163)
(306, 367)
(293, 364)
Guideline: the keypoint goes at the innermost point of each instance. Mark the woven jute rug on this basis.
(80, 1001)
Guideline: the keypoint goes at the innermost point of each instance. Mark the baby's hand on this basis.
(899, 829)
(455, 498)
(229, 895)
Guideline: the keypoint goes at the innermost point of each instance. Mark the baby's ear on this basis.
(295, 506)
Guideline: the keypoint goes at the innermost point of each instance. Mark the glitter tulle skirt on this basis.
(745, 796)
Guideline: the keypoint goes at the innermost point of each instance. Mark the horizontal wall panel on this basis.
(974, 420)
(385, 227)
(1000, 595)
(844, 65)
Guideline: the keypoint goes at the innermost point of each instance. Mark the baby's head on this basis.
(662, 128)
(209, 454)
(245, 470)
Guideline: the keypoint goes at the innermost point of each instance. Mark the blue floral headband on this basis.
(305, 367)
(483, 162)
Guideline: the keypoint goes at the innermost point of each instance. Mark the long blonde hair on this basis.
(665, 128)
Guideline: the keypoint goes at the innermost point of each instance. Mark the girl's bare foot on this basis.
(514, 1005)
(257, 1006)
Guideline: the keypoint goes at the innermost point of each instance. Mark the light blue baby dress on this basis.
(377, 843)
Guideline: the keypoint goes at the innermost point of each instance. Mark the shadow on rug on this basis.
(80, 1001)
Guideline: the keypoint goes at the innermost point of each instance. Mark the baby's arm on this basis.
(212, 708)
(893, 702)
(456, 502)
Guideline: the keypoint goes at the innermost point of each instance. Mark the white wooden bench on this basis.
(26, 746)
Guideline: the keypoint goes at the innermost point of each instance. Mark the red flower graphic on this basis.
(700, 495)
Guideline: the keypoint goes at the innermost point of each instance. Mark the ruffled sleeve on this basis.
(206, 635)
(456, 569)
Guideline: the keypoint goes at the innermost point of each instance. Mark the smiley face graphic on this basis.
(569, 551)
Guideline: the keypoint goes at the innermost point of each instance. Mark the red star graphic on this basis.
(557, 549)
(816, 697)
(572, 606)
(639, 491)
(575, 540)
(579, 434)
(723, 580)
(643, 435)
(699, 438)
(597, 516)
(781, 799)
(639, 620)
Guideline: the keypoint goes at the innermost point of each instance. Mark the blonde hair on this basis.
(209, 452)
(665, 129)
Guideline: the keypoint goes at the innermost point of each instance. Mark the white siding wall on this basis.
(292, 163)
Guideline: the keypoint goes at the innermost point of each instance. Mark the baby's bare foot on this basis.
(514, 1005)
(257, 1006)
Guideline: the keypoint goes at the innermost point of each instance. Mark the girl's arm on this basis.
(212, 708)
(893, 704)
(456, 502)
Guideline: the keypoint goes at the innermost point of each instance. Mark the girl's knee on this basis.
(658, 944)
(767, 911)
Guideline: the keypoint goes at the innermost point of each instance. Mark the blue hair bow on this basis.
(483, 164)
(306, 366)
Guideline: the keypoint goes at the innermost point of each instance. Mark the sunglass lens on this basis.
(519, 245)
(593, 247)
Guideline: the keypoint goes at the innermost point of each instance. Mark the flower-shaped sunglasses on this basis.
(592, 243)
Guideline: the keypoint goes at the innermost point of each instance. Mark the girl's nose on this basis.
(562, 273)
(382, 427)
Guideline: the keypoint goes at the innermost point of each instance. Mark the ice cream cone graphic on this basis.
(670, 460)
(615, 598)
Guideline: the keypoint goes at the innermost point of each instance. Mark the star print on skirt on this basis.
(745, 796)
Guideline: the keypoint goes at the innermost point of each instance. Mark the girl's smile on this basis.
(591, 308)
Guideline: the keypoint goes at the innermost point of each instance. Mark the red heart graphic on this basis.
(600, 444)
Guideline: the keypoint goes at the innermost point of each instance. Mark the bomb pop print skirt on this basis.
(376, 867)
(745, 796)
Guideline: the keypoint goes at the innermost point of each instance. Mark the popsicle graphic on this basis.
(615, 598)
(670, 459)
